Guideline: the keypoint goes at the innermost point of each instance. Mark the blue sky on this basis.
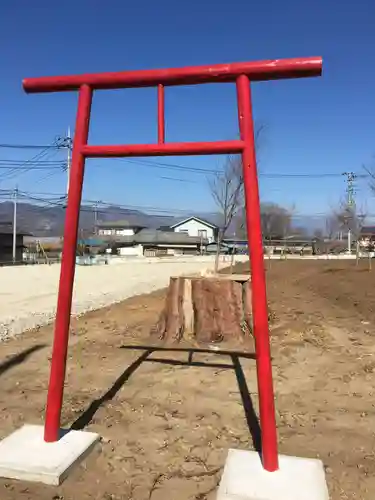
(312, 126)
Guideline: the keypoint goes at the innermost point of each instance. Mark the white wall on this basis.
(192, 228)
(114, 232)
(136, 250)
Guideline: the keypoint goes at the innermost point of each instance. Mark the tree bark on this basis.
(206, 310)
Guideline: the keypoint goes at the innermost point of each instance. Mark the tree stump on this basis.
(206, 310)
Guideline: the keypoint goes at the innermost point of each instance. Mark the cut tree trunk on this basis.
(209, 309)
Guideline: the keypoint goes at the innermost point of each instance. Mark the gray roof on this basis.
(119, 224)
(144, 237)
(154, 237)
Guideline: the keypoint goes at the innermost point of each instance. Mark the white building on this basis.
(194, 226)
(118, 228)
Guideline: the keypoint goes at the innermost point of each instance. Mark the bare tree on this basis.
(370, 172)
(346, 219)
(227, 191)
(331, 225)
(276, 221)
(349, 219)
(318, 234)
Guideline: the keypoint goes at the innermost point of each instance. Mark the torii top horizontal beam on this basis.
(256, 71)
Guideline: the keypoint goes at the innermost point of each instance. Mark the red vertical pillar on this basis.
(64, 302)
(258, 280)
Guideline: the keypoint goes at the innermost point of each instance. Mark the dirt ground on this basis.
(167, 418)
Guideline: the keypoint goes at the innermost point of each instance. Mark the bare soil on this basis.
(168, 417)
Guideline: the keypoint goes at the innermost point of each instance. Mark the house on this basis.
(154, 242)
(131, 239)
(367, 237)
(6, 244)
(197, 228)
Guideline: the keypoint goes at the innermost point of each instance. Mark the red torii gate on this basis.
(240, 73)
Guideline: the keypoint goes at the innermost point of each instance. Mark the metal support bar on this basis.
(274, 69)
(168, 149)
(258, 280)
(161, 122)
(64, 303)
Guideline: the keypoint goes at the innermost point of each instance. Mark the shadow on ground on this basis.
(19, 358)
(251, 417)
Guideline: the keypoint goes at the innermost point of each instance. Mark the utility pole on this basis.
(95, 206)
(14, 253)
(350, 178)
(68, 160)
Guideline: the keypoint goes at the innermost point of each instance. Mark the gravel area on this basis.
(28, 294)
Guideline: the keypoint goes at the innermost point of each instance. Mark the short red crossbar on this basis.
(169, 149)
(240, 73)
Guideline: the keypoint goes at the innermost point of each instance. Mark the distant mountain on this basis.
(310, 223)
(49, 221)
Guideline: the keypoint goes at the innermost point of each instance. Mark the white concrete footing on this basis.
(25, 455)
(297, 479)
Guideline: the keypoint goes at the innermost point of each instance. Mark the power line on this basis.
(89, 205)
(28, 164)
(178, 180)
(51, 174)
(169, 166)
(32, 163)
(185, 168)
(65, 142)
(35, 167)
(29, 146)
(37, 162)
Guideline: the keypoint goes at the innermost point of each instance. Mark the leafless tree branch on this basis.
(345, 218)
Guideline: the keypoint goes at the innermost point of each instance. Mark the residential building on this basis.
(132, 239)
(367, 237)
(6, 244)
(197, 228)
(153, 242)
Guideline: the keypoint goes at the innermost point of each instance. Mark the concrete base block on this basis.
(25, 455)
(297, 479)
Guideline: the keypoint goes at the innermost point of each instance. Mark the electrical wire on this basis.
(21, 162)
(51, 174)
(89, 205)
(28, 164)
(60, 143)
(35, 167)
(185, 168)
(43, 161)
(29, 146)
